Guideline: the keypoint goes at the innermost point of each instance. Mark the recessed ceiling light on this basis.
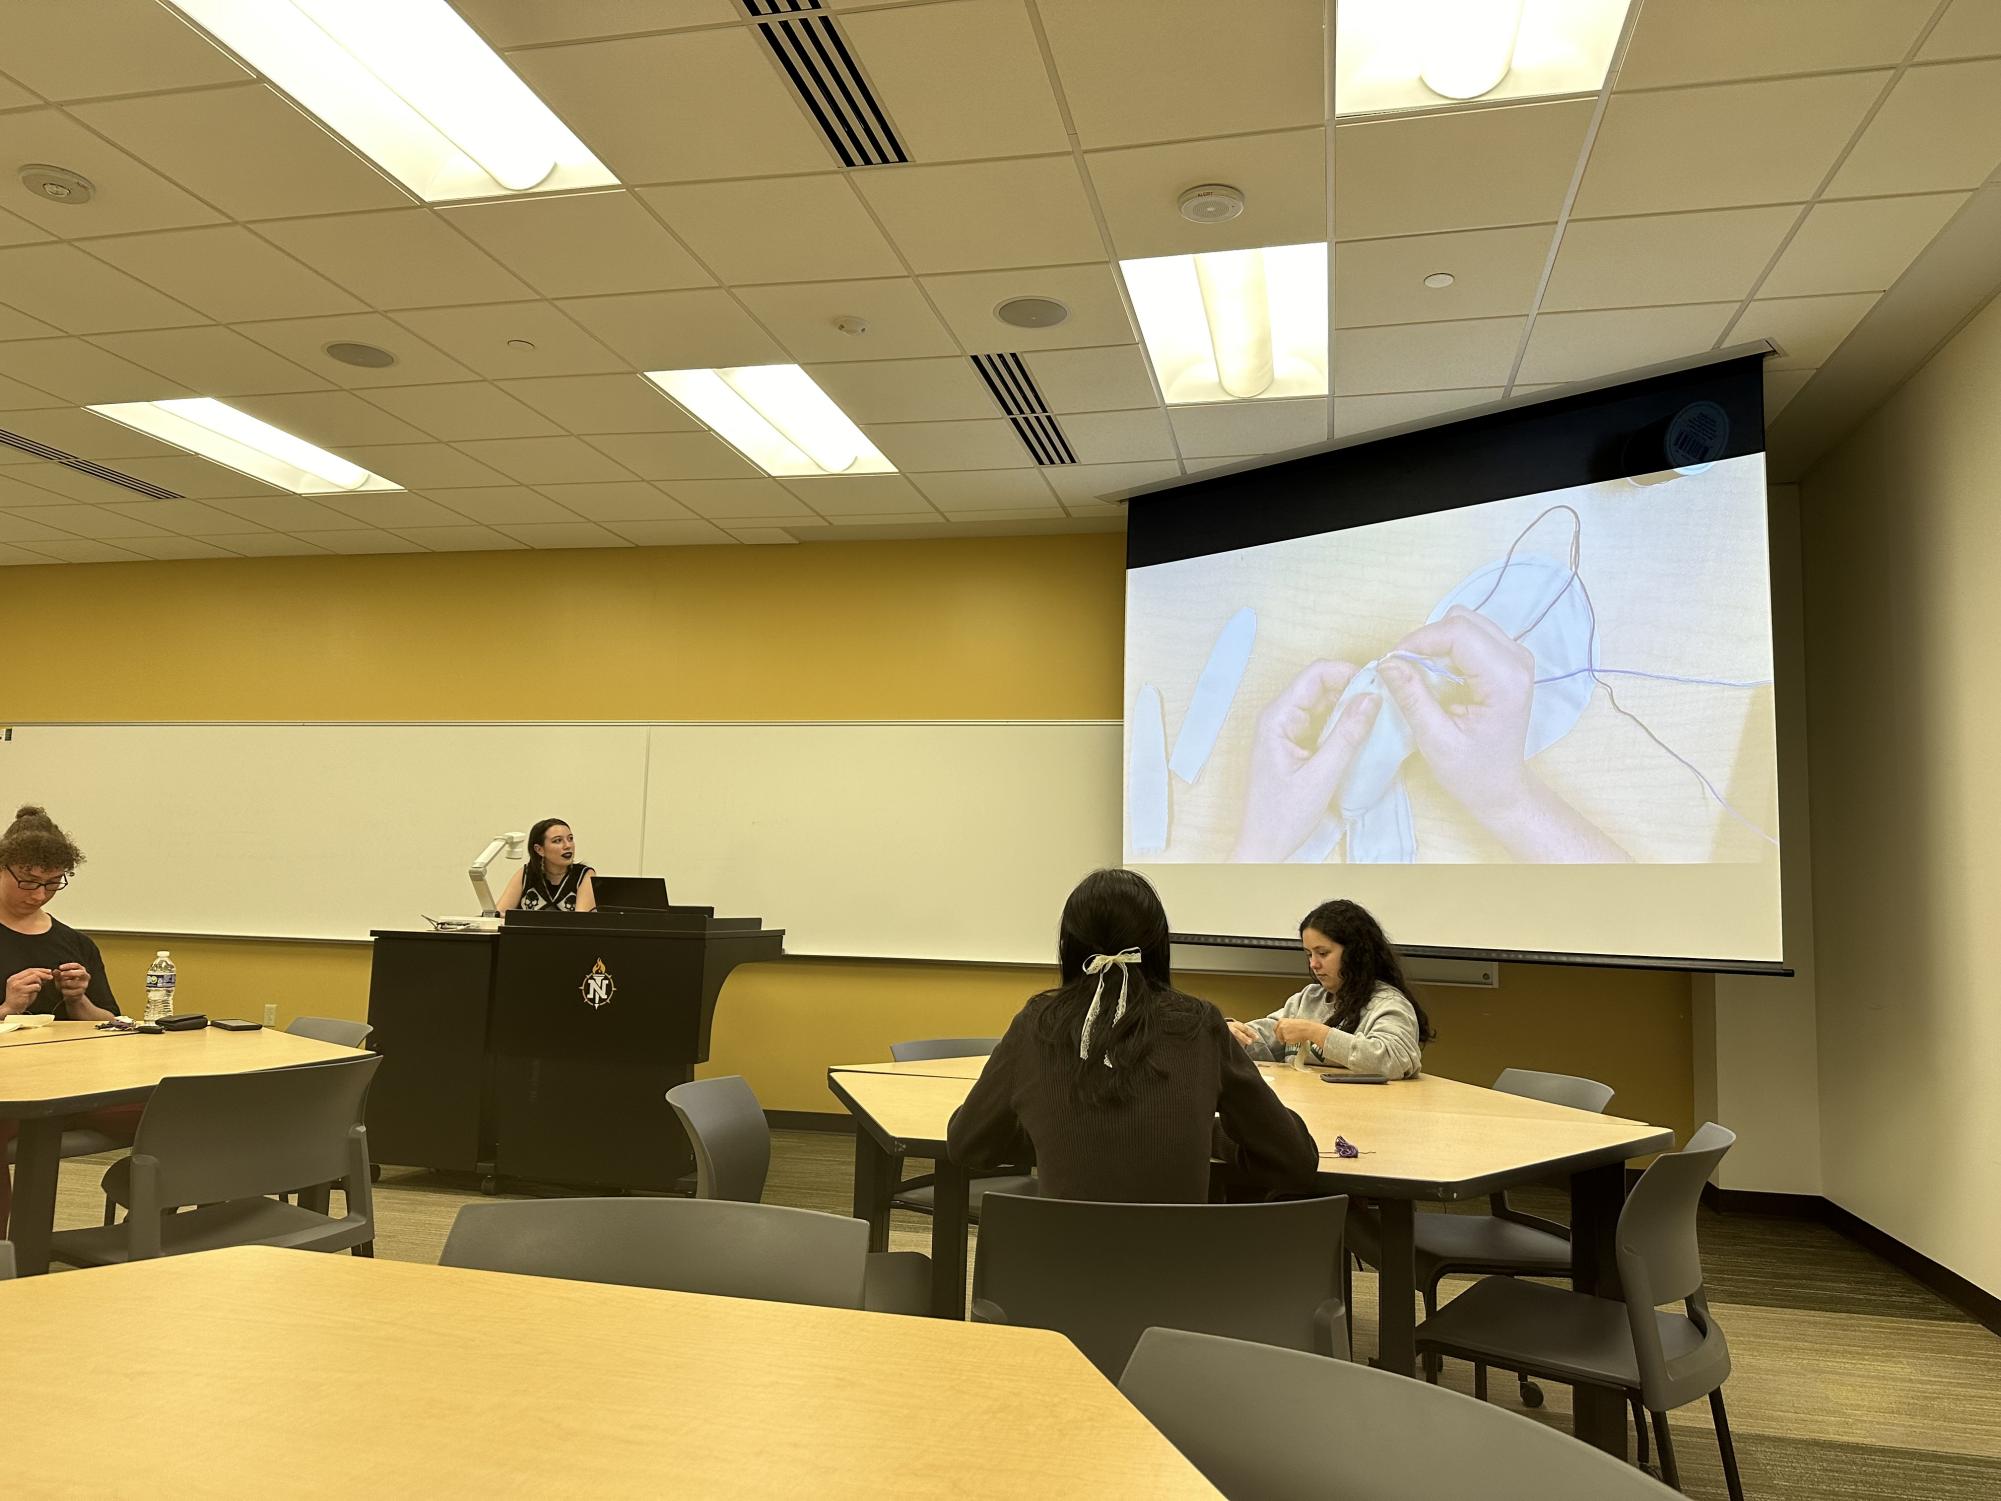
(214, 431)
(1234, 325)
(1423, 54)
(1439, 279)
(776, 417)
(412, 87)
(1212, 203)
(57, 184)
(367, 356)
(1032, 312)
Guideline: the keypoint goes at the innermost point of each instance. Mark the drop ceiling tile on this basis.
(1859, 245)
(502, 504)
(1119, 437)
(480, 336)
(1756, 142)
(249, 151)
(676, 330)
(90, 521)
(13, 96)
(1661, 258)
(1354, 415)
(79, 485)
(671, 533)
(801, 317)
(1423, 356)
(906, 390)
(517, 23)
(673, 456)
(973, 216)
(1712, 41)
(74, 371)
(187, 518)
(459, 539)
(396, 511)
(174, 549)
(130, 195)
(842, 496)
(81, 551)
(303, 341)
(455, 412)
(224, 272)
(1116, 378)
(1161, 70)
(268, 545)
(287, 513)
(196, 478)
(649, 106)
(1494, 273)
(1781, 386)
(424, 466)
(1585, 346)
(739, 499)
(962, 80)
(18, 231)
(1939, 129)
(16, 396)
(586, 404)
(1283, 178)
(1021, 514)
(332, 419)
(403, 258)
(988, 490)
(20, 557)
(778, 229)
(1091, 484)
(1419, 174)
(65, 51)
(623, 248)
(566, 534)
(917, 447)
(214, 361)
(87, 435)
(60, 285)
(1807, 329)
(769, 536)
(536, 461)
(1097, 312)
(1249, 426)
(15, 325)
(905, 523)
(17, 493)
(626, 500)
(360, 542)
(1969, 28)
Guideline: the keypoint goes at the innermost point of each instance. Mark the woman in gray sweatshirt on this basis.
(1360, 1013)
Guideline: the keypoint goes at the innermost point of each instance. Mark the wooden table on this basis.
(314, 1375)
(1426, 1138)
(41, 1083)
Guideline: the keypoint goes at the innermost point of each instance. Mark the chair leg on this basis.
(1723, 1443)
(1669, 1472)
(1348, 1298)
(366, 1248)
(1479, 1381)
(1640, 1432)
(1434, 1364)
(110, 1208)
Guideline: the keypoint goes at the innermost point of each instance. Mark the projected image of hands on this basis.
(1572, 678)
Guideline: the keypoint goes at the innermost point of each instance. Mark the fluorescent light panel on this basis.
(776, 417)
(411, 86)
(1393, 55)
(1234, 325)
(208, 428)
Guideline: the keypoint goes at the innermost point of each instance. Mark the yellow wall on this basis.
(1016, 629)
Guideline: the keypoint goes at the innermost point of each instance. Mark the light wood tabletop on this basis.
(59, 1031)
(315, 1375)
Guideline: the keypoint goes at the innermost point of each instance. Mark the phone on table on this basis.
(1348, 1078)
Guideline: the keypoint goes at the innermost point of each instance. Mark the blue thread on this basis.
(1656, 677)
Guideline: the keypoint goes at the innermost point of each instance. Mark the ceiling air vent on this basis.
(810, 48)
(1015, 389)
(84, 466)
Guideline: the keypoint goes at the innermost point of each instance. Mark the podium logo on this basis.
(598, 987)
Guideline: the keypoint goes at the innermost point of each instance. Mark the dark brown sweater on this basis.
(1154, 1149)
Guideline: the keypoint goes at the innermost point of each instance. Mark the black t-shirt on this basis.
(538, 895)
(61, 945)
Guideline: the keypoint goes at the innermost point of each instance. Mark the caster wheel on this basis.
(1531, 1394)
(374, 1172)
(489, 1185)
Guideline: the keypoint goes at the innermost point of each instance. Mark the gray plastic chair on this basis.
(1104, 1273)
(1666, 1359)
(225, 1141)
(732, 1143)
(710, 1246)
(1505, 1241)
(1262, 1424)
(333, 1029)
(917, 1193)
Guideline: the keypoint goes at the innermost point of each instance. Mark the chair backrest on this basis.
(333, 1029)
(1660, 1261)
(6, 1256)
(731, 1138)
(1255, 1420)
(683, 1245)
(1555, 1089)
(211, 1138)
(928, 1048)
(1103, 1273)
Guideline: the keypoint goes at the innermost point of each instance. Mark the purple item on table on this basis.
(1345, 1148)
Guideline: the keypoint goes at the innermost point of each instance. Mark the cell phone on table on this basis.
(236, 1024)
(1347, 1078)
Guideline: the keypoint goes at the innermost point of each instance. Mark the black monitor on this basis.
(629, 893)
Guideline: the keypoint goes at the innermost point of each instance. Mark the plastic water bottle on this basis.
(160, 987)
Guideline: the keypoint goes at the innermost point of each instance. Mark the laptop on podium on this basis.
(630, 893)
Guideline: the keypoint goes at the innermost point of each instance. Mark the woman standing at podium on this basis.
(552, 878)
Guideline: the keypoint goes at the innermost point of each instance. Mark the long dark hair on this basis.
(1367, 960)
(1109, 912)
(537, 868)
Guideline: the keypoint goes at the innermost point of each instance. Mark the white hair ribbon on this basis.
(1097, 964)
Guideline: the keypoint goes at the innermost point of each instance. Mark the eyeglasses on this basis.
(27, 885)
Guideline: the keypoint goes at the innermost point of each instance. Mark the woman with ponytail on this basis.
(1359, 1013)
(1114, 1082)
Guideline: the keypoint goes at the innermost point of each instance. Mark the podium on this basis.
(545, 1051)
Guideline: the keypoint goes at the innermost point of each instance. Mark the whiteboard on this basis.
(931, 840)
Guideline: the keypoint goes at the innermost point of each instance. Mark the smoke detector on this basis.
(57, 184)
(1211, 203)
(1032, 312)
